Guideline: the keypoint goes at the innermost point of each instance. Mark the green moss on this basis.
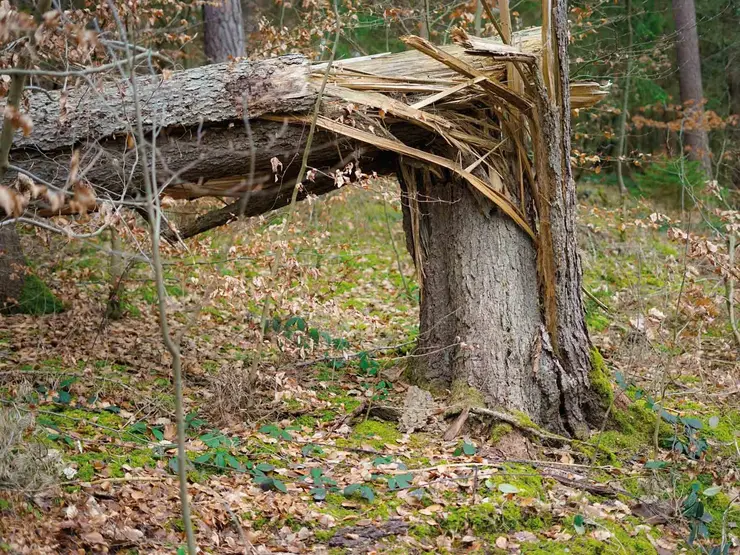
(632, 433)
(727, 429)
(461, 392)
(376, 433)
(36, 299)
(113, 459)
(524, 420)
(332, 505)
(488, 519)
(599, 378)
(499, 431)
(596, 320)
(323, 536)
(637, 419)
(717, 505)
(422, 531)
(524, 478)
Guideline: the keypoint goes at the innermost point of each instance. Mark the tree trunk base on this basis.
(481, 333)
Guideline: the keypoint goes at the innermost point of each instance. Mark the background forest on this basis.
(287, 340)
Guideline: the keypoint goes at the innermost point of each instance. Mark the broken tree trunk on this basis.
(484, 163)
(207, 124)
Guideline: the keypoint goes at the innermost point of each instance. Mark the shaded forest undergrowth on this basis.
(288, 445)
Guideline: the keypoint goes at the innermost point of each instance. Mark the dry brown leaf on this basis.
(19, 120)
(84, 199)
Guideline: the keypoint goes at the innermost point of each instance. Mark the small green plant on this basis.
(693, 509)
(465, 448)
(322, 484)
(192, 422)
(311, 449)
(64, 396)
(686, 439)
(365, 492)
(274, 431)
(400, 481)
(368, 365)
(217, 439)
(263, 478)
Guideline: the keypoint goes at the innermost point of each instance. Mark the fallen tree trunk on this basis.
(209, 136)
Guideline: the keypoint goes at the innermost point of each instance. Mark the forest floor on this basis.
(281, 465)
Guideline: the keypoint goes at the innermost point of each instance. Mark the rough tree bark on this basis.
(695, 138)
(223, 30)
(484, 315)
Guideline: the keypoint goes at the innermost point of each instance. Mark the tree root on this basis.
(522, 426)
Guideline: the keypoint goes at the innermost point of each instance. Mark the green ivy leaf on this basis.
(158, 434)
(234, 463)
(579, 525)
(668, 417)
(265, 467)
(694, 423)
(280, 486)
(711, 492)
(400, 481)
(654, 465)
(352, 488)
(63, 398)
(311, 450)
(367, 493)
(319, 494)
(508, 489)
(468, 448)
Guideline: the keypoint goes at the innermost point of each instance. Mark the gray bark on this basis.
(496, 314)
(695, 138)
(223, 30)
(481, 325)
(197, 97)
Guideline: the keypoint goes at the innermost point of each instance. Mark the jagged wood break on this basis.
(479, 135)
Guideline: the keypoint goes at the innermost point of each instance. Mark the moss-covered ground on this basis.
(271, 449)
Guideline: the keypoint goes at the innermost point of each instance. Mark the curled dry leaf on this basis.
(74, 167)
(84, 199)
(19, 120)
(56, 200)
(28, 184)
(11, 201)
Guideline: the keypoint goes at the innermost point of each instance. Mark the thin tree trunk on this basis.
(425, 30)
(625, 103)
(733, 89)
(114, 309)
(223, 30)
(695, 138)
(478, 18)
(12, 268)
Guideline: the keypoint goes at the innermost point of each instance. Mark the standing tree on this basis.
(695, 137)
(501, 313)
(223, 30)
